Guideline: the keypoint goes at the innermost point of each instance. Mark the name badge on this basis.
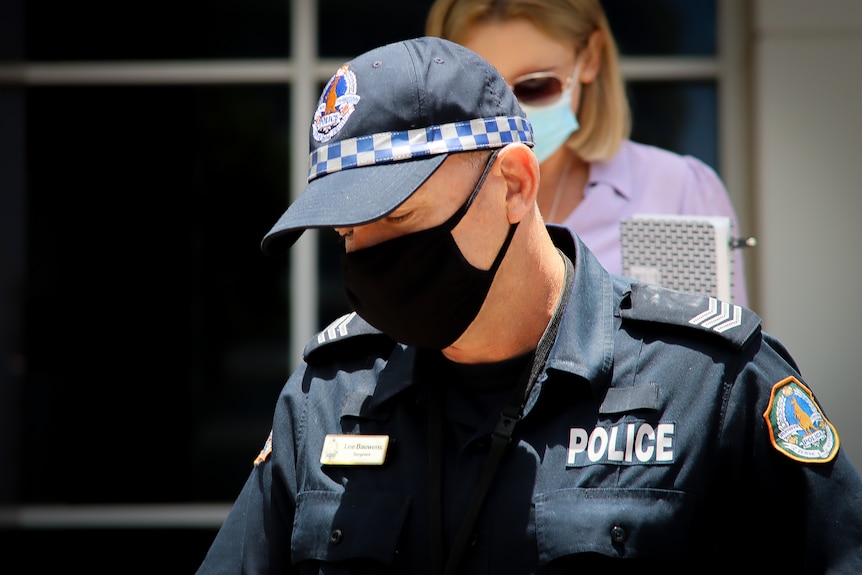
(354, 449)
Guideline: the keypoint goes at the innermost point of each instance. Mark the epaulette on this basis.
(732, 323)
(349, 332)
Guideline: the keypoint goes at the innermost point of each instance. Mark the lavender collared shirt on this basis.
(643, 179)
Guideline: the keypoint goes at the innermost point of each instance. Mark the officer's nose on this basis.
(364, 236)
(346, 236)
(356, 237)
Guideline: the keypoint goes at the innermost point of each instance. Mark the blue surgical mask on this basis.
(552, 124)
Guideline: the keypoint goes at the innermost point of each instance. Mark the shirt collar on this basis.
(616, 173)
(584, 344)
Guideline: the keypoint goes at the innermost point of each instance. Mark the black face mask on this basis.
(418, 288)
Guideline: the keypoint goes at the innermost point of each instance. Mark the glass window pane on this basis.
(58, 30)
(156, 329)
(13, 205)
(658, 27)
(107, 551)
(679, 116)
(663, 27)
(347, 28)
(11, 30)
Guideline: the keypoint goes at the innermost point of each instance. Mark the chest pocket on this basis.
(331, 527)
(619, 523)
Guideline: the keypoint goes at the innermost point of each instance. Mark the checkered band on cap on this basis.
(386, 147)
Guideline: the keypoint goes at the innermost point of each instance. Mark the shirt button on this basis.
(618, 534)
(336, 536)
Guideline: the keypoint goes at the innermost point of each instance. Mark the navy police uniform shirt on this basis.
(667, 433)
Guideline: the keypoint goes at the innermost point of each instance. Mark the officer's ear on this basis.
(520, 170)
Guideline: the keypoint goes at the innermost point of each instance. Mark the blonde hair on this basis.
(603, 113)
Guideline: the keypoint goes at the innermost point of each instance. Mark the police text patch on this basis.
(628, 443)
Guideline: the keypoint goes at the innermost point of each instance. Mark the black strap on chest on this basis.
(501, 438)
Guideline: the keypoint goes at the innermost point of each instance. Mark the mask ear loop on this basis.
(462, 211)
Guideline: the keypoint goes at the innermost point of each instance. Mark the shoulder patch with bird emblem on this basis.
(797, 426)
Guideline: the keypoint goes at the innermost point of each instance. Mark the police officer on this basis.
(499, 403)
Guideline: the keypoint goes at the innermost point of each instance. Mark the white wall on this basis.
(807, 194)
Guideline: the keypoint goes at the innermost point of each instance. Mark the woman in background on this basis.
(561, 60)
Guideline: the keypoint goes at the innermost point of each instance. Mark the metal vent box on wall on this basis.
(687, 253)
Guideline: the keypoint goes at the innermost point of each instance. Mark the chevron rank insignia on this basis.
(797, 426)
(720, 317)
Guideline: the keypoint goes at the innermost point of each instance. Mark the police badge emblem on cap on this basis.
(338, 101)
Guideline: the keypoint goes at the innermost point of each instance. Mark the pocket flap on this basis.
(332, 526)
(613, 522)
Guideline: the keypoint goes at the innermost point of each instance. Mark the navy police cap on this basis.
(386, 121)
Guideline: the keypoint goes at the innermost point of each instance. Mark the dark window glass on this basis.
(58, 30)
(105, 551)
(347, 28)
(13, 201)
(155, 329)
(657, 27)
(663, 27)
(11, 30)
(679, 116)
